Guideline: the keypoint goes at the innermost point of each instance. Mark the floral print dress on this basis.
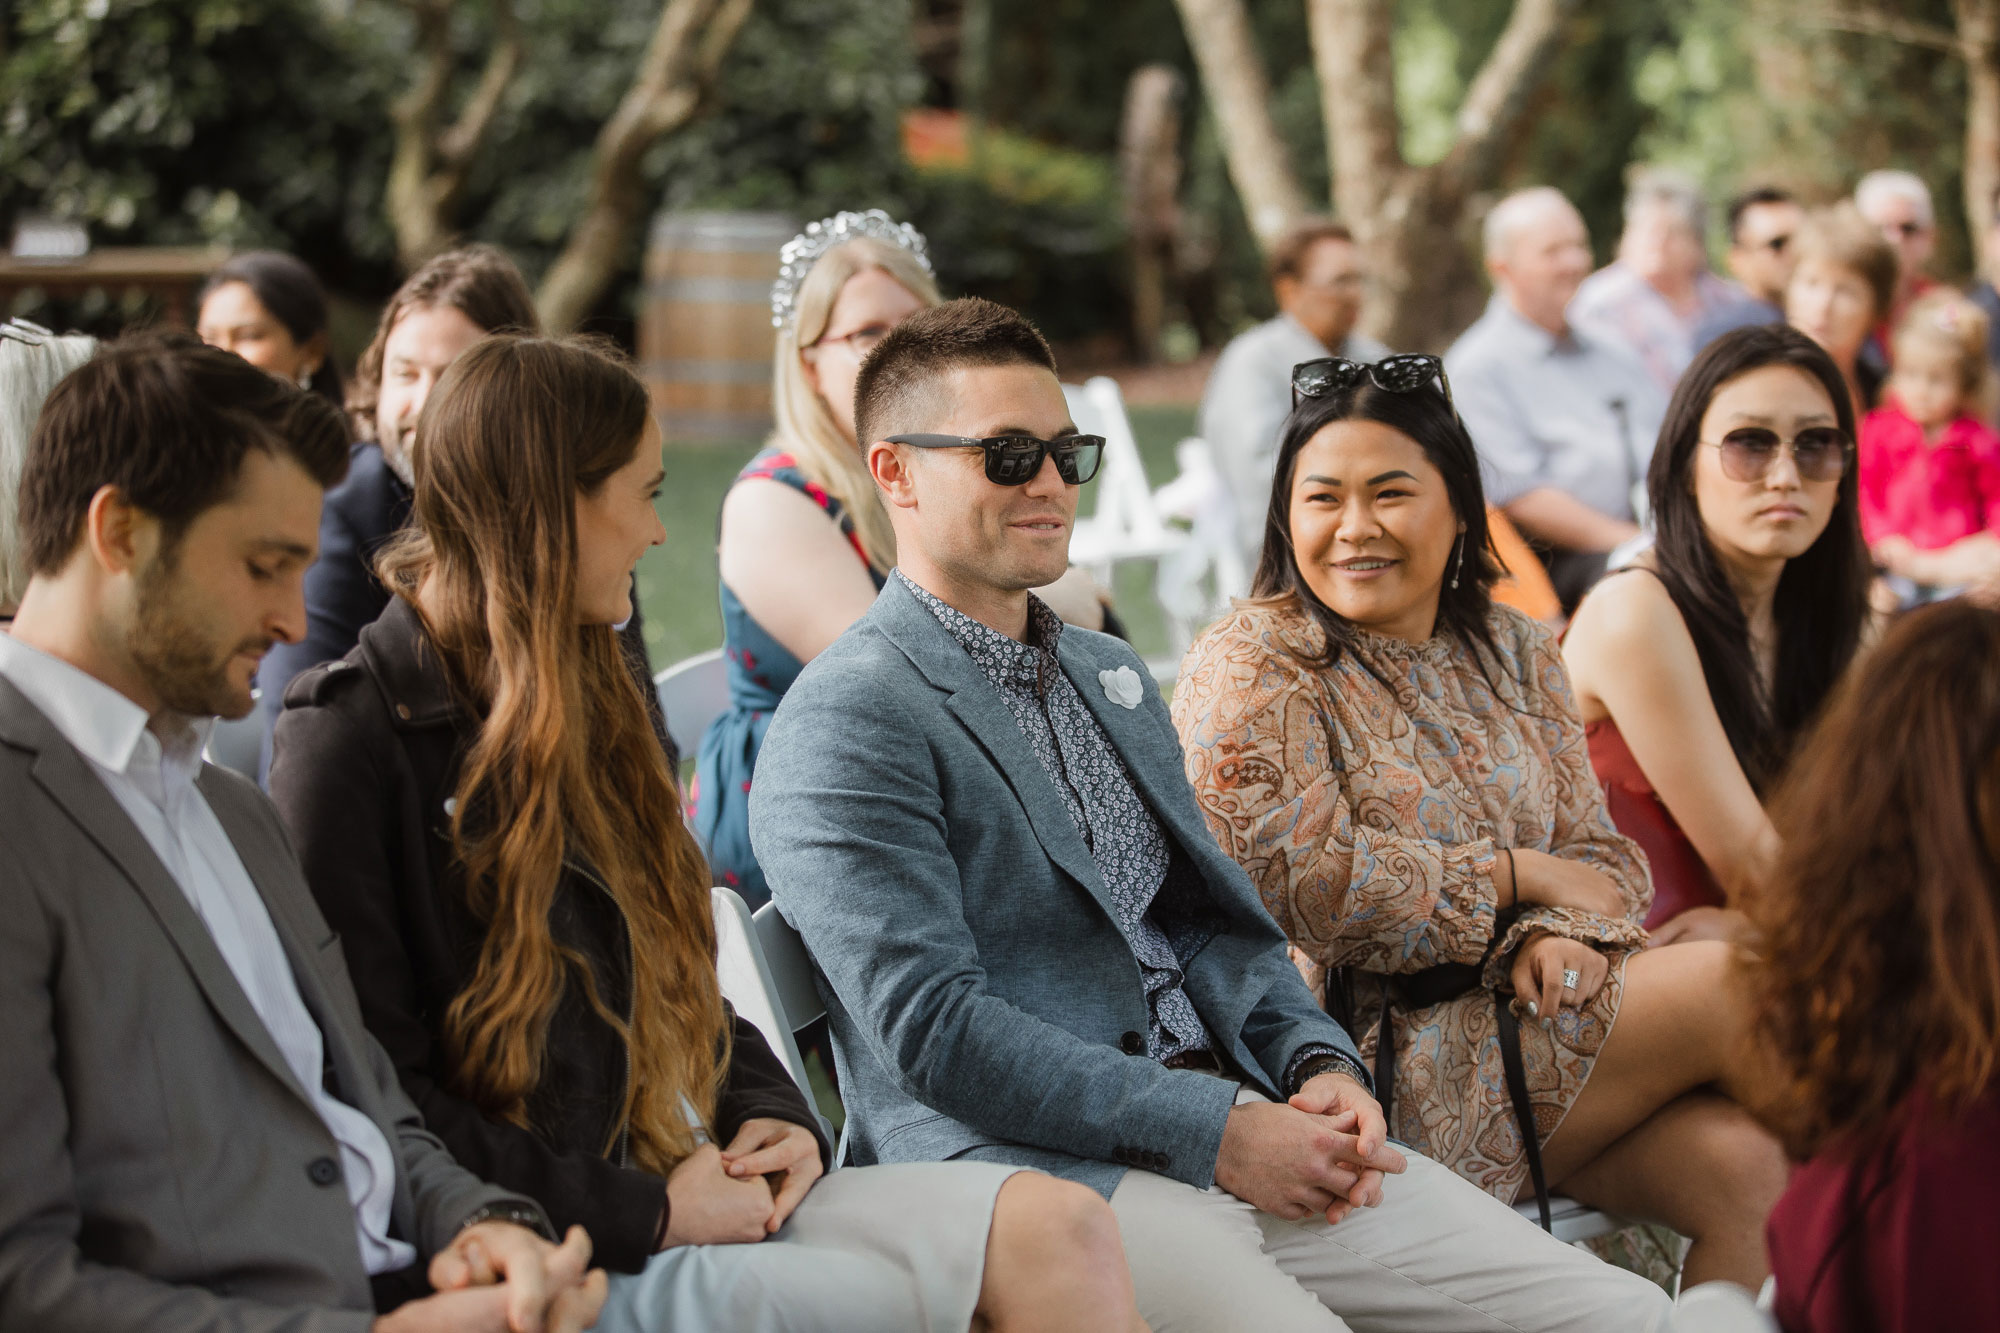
(1369, 802)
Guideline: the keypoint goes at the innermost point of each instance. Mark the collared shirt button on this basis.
(323, 1171)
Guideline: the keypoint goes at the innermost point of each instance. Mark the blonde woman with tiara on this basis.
(482, 811)
(804, 544)
(1930, 460)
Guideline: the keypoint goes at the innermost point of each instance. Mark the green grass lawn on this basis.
(677, 581)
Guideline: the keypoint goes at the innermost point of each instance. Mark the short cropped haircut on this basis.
(1288, 252)
(1755, 197)
(1906, 185)
(891, 395)
(1505, 220)
(1664, 187)
(1841, 236)
(167, 421)
(478, 281)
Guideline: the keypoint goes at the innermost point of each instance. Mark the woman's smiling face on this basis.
(1373, 527)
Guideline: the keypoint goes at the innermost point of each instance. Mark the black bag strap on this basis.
(1524, 1111)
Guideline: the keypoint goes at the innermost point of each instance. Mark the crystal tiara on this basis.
(800, 253)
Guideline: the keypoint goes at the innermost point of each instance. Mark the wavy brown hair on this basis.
(1881, 966)
(566, 772)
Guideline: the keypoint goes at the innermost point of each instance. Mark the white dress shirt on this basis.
(150, 770)
(1573, 413)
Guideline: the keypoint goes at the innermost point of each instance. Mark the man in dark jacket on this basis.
(445, 307)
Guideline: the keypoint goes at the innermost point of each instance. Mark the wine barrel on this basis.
(705, 335)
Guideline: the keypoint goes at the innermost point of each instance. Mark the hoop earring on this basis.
(1459, 563)
(305, 379)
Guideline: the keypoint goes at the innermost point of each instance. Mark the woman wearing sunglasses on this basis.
(1697, 668)
(803, 543)
(1397, 763)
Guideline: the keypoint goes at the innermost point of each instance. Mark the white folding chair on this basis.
(1571, 1221)
(767, 976)
(693, 693)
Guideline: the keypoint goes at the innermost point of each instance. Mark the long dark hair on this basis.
(1880, 973)
(1822, 596)
(1426, 416)
(566, 763)
(288, 289)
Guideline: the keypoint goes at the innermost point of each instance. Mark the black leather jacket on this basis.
(368, 750)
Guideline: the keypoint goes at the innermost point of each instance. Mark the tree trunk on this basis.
(1353, 46)
(430, 162)
(1150, 166)
(1411, 222)
(1239, 93)
(1979, 34)
(675, 77)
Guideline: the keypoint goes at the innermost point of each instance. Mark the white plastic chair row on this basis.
(1199, 567)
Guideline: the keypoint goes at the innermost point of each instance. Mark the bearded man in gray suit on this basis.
(196, 1132)
(1031, 947)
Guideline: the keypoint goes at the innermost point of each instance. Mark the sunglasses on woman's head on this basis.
(1819, 452)
(1396, 374)
(1012, 460)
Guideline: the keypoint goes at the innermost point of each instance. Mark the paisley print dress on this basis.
(1369, 802)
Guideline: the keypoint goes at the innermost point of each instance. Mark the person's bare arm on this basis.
(1973, 559)
(789, 564)
(1561, 519)
(1630, 657)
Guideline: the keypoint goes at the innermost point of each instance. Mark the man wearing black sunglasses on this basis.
(1762, 221)
(1033, 950)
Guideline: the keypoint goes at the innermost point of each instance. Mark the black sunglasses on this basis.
(1396, 374)
(1012, 460)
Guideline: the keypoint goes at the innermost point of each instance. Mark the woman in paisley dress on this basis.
(804, 545)
(1397, 762)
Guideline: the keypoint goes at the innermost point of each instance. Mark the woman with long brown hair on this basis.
(1879, 991)
(486, 818)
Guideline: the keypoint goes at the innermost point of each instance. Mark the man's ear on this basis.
(117, 534)
(889, 465)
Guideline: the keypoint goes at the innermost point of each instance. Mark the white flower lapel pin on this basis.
(1122, 687)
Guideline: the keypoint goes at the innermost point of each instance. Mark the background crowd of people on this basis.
(1512, 815)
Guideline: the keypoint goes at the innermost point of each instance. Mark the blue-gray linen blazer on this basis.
(984, 1002)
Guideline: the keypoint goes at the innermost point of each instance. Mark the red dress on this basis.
(1903, 1239)
(1680, 877)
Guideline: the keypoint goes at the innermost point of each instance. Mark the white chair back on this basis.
(1125, 524)
(748, 983)
(693, 693)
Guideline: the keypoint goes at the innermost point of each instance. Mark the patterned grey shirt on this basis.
(1131, 851)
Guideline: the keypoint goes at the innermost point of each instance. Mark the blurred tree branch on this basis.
(674, 80)
(432, 160)
(1239, 90)
(1973, 38)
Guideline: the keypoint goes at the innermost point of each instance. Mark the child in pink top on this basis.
(1929, 463)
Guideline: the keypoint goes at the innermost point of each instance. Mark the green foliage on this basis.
(1032, 226)
(1740, 100)
(239, 122)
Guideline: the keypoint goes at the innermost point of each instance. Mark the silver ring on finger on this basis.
(1570, 977)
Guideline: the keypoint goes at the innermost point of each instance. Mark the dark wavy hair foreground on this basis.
(1881, 967)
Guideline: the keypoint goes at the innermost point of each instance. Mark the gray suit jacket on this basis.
(981, 992)
(160, 1166)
